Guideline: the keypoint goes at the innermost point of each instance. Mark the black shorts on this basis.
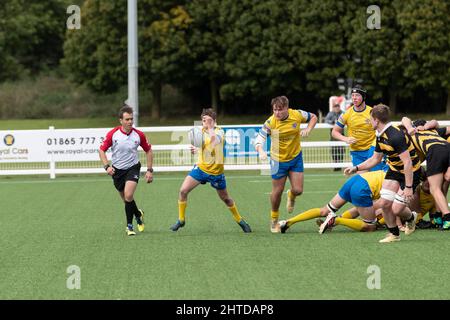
(400, 178)
(438, 159)
(121, 176)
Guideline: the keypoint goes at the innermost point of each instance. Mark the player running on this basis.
(209, 168)
(283, 127)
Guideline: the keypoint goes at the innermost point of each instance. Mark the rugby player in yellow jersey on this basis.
(360, 190)
(423, 203)
(402, 177)
(361, 136)
(209, 168)
(283, 127)
(436, 150)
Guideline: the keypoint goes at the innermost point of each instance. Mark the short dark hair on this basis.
(209, 112)
(381, 112)
(419, 122)
(125, 109)
(281, 101)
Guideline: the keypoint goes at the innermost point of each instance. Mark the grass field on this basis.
(48, 226)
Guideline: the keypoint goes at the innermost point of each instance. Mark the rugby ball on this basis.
(195, 136)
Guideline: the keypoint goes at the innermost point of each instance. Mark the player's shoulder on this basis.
(140, 133)
(394, 130)
(350, 110)
(113, 130)
(270, 121)
(299, 113)
(395, 134)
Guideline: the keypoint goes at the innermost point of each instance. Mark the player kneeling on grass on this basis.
(360, 190)
(209, 168)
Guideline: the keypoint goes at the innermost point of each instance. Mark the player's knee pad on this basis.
(400, 199)
(387, 194)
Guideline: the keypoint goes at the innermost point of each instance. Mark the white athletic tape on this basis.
(387, 194)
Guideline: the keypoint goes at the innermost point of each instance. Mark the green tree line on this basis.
(236, 55)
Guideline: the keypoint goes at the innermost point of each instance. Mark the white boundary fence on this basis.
(75, 151)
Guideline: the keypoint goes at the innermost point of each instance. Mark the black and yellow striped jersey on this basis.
(443, 133)
(423, 140)
(392, 142)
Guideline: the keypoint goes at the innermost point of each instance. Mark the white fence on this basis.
(75, 151)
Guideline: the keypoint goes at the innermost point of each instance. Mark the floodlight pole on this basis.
(133, 88)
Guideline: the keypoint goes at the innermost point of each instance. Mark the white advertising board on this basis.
(51, 145)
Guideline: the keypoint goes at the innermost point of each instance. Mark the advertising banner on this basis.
(51, 145)
(239, 141)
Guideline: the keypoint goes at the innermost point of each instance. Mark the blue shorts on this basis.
(281, 169)
(217, 181)
(359, 157)
(357, 191)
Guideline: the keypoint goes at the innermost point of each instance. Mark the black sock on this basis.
(136, 211)
(446, 217)
(395, 231)
(129, 211)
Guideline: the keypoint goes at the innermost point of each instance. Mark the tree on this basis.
(425, 25)
(165, 57)
(96, 54)
(258, 43)
(319, 48)
(206, 43)
(376, 53)
(31, 36)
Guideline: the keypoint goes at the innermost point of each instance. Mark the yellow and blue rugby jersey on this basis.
(211, 160)
(285, 134)
(375, 180)
(359, 127)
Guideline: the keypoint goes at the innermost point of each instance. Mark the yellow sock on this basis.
(181, 210)
(347, 215)
(234, 211)
(290, 195)
(381, 221)
(354, 224)
(307, 215)
(274, 215)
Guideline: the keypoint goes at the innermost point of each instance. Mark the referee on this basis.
(125, 167)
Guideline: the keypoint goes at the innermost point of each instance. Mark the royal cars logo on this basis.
(8, 140)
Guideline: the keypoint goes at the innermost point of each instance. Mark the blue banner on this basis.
(239, 141)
